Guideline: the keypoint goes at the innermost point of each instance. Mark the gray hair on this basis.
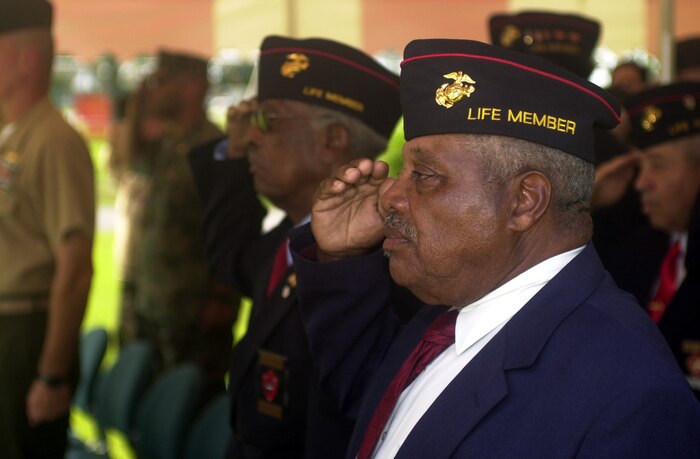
(363, 140)
(691, 146)
(571, 177)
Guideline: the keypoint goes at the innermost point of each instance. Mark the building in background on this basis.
(92, 35)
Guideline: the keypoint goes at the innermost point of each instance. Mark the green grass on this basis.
(103, 303)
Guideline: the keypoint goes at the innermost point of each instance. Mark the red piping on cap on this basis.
(334, 57)
(523, 67)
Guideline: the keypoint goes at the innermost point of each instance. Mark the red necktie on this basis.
(667, 283)
(439, 336)
(279, 268)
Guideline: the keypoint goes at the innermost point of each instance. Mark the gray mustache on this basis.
(406, 229)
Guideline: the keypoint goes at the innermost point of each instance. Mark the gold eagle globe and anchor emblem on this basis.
(450, 93)
(650, 116)
(294, 65)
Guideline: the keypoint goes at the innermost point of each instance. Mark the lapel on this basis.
(478, 389)
(399, 351)
(267, 313)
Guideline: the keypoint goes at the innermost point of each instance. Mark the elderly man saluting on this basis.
(537, 352)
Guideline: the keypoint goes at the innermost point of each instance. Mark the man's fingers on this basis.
(241, 111)
(353, 175)
(380, 171)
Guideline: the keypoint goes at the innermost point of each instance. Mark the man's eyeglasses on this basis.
(265, 121)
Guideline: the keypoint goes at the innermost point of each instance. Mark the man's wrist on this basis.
(52, 381)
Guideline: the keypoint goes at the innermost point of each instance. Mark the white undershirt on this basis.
(476, 324)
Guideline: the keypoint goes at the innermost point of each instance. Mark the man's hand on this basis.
(612, 179)
(345, 218)
(46, 403)
(238, 127)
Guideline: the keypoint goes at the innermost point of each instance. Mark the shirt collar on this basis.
(682, 239)
(303, 221)
(481, 317)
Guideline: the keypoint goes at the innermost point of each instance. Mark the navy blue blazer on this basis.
(579, 371)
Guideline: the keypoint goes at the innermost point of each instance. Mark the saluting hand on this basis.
(345, 218)
(612, 179)
(238, 127)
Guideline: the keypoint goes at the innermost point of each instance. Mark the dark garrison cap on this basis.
(332, 75)
(664, 113)
(687, 54)
(567, 40)
(24, 14)
(463, 86)
(174, 62)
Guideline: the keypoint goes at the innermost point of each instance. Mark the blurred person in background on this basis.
(47, 213)
(178, 306)
(666, 127)
(688, 59)
(628, 78)
(663, 257)
(136, 138)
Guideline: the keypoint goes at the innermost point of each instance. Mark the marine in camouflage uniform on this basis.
(136, 140)
(178, 306)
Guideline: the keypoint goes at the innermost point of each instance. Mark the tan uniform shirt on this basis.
(46, 191)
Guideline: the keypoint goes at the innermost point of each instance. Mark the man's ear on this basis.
(337, 140)
(529, 200)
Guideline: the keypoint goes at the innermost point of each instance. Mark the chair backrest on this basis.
(93, 345)
(165, 413)
(209, 436)
(123, 385)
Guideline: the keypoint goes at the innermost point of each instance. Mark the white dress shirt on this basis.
(476, 324)
(682, 238)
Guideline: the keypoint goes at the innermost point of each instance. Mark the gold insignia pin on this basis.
(12, 157)
(294, 65)
(290, 285)
(450, 93)
(650, 116)
(509, 36)
(689, 102)
(286, 291)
